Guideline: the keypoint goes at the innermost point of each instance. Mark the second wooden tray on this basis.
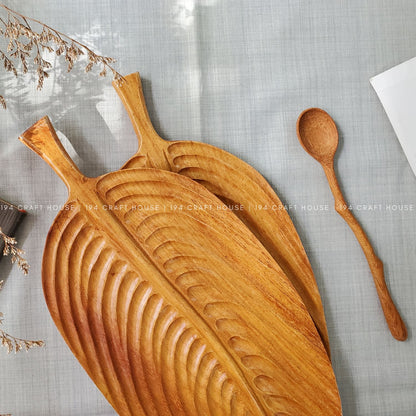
(234, 182)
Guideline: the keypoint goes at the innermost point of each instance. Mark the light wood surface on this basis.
(175, 312)
(318, 135)
(234, 182)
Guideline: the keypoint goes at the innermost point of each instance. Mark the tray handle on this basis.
(43, 140)
(130, 91)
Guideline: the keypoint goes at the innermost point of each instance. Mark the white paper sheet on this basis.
(396, 89)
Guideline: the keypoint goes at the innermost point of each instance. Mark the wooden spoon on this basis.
(318, 135)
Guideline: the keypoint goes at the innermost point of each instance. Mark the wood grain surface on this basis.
(237, 184)
(175, 312)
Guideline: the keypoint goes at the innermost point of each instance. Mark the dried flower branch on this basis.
(6, 340)
(16, 344)
(25, 43)
(13, 343)
(10, 248)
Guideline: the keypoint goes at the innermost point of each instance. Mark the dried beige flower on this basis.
(16, 344)
(7, 340)
(10, 248)
(24, 42)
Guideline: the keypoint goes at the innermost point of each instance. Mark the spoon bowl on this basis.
(318, 134)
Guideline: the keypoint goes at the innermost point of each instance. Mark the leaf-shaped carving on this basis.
(131, 341)
(234, 182)
(175, 312)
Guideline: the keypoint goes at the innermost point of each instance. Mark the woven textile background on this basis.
(235, 74)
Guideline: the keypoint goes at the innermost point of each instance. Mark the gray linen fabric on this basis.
(236, 74)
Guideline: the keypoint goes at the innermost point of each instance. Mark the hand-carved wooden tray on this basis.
(234, 182)
(175, 312)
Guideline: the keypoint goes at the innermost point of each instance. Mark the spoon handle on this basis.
(393, 319)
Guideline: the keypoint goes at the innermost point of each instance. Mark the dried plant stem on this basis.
(10, 248)
(57, 32)
(25, 42)
(16, 344)
(7, 340)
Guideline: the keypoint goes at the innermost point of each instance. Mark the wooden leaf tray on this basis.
(234, 182)
(175, 313)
